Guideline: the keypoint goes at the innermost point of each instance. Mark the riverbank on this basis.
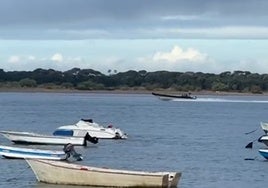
(122, 91)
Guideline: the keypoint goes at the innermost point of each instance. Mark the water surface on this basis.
(204, 139)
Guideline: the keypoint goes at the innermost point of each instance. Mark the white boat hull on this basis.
(19, 153)
(93, 129)
(32, 138)
(56, 172)
(264, 139)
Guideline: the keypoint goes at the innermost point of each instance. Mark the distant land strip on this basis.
(89, 80)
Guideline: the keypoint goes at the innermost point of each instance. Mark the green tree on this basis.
(256, 89)
(89, 85)
(218, 86)
(27, 82)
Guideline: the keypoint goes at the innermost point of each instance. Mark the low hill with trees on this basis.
(88, 79)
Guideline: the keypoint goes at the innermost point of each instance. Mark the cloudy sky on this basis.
(174, 35)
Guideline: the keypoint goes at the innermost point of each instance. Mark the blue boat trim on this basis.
(63, 132)
(264, 154)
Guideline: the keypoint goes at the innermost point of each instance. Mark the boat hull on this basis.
(59, 173)
(20, 153)
(264, 153)
(264, 139)
(170, 97)
(32, 138)
(93, 129)
(80, 132)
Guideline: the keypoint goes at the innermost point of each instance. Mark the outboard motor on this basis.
(91, 139)
(117, 136)
(70, 152)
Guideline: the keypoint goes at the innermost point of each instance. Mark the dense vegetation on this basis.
(88, 79)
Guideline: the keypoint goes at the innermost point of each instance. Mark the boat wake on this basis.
(222, 100)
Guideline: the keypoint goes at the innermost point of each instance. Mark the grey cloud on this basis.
(78, 19)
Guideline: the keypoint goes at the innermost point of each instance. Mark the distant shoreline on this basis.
(43, 90)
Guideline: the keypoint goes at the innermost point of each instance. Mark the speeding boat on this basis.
(93, 129)
(170, 97)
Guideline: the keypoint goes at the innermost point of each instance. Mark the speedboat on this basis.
(93, 129)
(170, 97)
(57, 172)
(33, 138)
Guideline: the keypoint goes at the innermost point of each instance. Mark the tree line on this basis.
(89, 79)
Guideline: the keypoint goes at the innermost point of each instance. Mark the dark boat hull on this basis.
(174, 96)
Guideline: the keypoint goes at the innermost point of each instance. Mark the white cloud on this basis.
(20, 59)
(14, 59)
(178, 54)
(223, 32)
(254, 65)
(57, 57)
(178, 60)
(31, 62)
(31, 58)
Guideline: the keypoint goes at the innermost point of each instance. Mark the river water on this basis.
(204, 139)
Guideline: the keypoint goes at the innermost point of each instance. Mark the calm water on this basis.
(204, 139)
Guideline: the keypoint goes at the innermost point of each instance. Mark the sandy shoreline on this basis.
(43, 90)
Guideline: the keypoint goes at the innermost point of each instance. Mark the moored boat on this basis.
(264, 153)
(56, 172)
(30, 153)
(92, 128)
(33, 138)
(17, 153)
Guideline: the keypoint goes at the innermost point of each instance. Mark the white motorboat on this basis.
(57, 172)
(33, 138)
(93, 129)
(29, 153)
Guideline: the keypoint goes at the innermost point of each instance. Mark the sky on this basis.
(210, 36)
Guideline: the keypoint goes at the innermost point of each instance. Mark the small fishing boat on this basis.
(33, 138)
(170, 97)
(264, 153)
(93, 129)
(57, 172)
(29, 153)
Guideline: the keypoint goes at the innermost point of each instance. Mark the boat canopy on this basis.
(87, 120)
(85, 124)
